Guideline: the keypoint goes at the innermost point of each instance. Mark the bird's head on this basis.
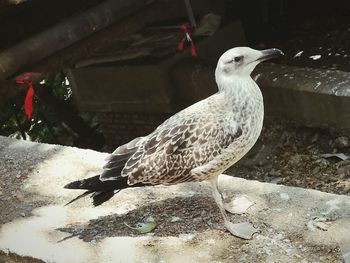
(240, 61)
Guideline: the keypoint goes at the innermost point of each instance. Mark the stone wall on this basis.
(131, 99)
(120, 128)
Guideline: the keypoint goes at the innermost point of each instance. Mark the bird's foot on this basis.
(244, 230)
(239, 205)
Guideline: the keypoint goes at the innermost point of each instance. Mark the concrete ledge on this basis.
(311, 96)
(296, 225)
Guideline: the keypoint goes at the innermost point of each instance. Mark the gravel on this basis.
(289, 154)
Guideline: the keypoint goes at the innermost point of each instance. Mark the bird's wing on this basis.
(117, 160)
(187, 140)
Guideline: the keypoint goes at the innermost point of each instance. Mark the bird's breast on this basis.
(247, 109)
(252, 120)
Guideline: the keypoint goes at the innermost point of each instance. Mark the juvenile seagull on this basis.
(196, 144)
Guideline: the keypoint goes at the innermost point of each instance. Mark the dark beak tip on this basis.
(277, 52)
(280, 51)
(271, 53)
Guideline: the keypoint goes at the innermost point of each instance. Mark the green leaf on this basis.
(143, 228)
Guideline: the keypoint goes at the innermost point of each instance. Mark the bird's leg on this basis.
(243, 230)
(218, 198)
(231, 208)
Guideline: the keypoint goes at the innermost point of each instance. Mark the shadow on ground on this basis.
(174, 217)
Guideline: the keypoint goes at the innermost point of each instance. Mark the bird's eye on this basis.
(238, 59)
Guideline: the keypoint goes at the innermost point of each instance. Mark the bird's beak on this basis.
(270, 53)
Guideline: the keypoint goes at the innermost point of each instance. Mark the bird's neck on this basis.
(243, 97)
(238, 89)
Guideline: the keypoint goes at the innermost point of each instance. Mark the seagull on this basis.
(196, 144)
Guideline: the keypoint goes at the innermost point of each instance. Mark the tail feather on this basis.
(101, 191)
(101, 197)
(78, 197)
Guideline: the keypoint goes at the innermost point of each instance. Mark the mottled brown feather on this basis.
(182, 143)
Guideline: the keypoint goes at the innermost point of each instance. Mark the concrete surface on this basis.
(296, 225)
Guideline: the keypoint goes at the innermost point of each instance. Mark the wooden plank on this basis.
(65, 34)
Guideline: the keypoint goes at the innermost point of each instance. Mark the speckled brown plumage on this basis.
(199, 142)
(186, 141)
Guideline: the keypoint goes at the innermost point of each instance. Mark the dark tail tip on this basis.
(78, 197)
(101, 197)
(72, 185)
(101, 191)
(91, 183)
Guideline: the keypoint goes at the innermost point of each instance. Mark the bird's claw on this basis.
(239, 205)
(244, 230)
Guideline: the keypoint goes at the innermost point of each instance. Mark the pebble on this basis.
(341, 142)
(197, 220)
(284, 196)
(345, 162)
(211, 242)
(275, 173)
(149, 219)
(344, 170)
(19, 196)
(316, 170)
(295, 160)
(276, 180)
(175, 219)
